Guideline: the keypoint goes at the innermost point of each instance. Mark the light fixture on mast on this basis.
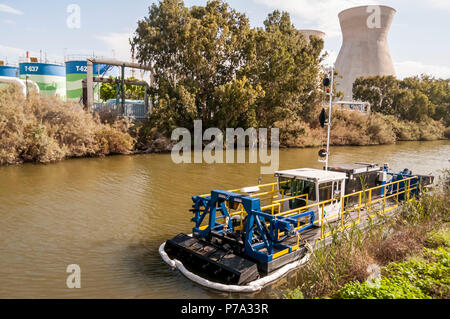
(324, 154)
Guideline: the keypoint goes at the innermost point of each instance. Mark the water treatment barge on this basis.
(249, 233)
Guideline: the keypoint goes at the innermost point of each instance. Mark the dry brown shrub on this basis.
(447, 132)
(296, 133)
(397, 246)
(380, 130)
(46, 130)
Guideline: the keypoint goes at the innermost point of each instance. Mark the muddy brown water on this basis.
(110, 215)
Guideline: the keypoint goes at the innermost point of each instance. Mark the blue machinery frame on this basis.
(261, 237)
(261, 242)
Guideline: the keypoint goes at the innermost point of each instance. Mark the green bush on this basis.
(413, 279)
(439, 238)
(294, 294)
(341, 268)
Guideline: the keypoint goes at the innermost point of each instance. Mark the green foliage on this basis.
(209, 64)
(287, 67)
(294, 294)
(236, 104)
(439, 237)
(413, 99)
(229, 73)
(340, 269)
(379, 91)
(193, 50)
(134, 92)
(413, 279)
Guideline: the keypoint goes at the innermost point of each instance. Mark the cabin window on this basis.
(325, 191)
(337, 188)
(294, 187)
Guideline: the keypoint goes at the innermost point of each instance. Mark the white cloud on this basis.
(412, 68)
(440, 4)
(7, 9)
(119, 43)
(319, 14)
(11, 53)
(16, 55)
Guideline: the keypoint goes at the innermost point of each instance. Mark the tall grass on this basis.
(354, 128)
(46, 130)
(390, 239)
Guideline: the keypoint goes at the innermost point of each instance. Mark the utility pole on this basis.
(123, 90)
(329, 118)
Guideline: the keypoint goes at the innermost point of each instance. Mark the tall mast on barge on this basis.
(326, 153)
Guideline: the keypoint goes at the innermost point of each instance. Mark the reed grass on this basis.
(46, 130)
(386, 240)
(357, 129)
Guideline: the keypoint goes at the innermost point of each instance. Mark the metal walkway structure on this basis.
(239, 236)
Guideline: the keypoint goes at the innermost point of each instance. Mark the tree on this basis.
(199, 49)
(286, 66)
(414, 98)
(379, 91)
(236, 104)
(437, 92)
(134, 92)
(235, 75)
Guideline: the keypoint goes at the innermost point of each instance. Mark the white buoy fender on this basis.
(254, 286)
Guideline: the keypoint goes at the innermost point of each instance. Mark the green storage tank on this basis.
(76, 72)
(51, 78)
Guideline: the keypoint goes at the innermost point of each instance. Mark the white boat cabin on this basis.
(319, 185)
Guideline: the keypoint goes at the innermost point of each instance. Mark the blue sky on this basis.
(418, 40)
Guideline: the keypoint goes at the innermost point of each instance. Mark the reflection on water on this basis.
(110, 215)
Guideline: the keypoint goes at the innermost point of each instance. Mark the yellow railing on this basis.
(363, 200)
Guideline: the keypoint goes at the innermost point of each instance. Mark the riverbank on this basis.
(406, 256)
(356, 129)
(47, 130)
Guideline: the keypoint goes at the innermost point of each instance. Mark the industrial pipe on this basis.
(21, 83)
(90, 75)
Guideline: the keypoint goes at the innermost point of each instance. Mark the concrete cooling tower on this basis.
(317, 33)
(364, 49)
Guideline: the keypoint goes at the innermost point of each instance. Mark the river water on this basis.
(110, 215)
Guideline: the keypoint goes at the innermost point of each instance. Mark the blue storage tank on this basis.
(9, 71)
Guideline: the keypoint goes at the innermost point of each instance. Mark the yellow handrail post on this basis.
(359, 207)
(398, 191)
(322, 221)
(409, 185)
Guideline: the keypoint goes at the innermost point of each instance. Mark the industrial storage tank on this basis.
(364, 50)
(51, 78)
(9, 71)
(76, 72)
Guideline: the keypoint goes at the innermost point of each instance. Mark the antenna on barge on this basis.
(325, 153)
